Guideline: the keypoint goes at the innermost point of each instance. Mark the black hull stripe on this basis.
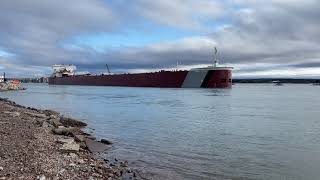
(206, 79)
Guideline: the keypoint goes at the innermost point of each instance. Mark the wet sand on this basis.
(42, 144)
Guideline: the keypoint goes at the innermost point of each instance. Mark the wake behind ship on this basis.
(207, 77)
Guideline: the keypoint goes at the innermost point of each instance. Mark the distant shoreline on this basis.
(281, 80)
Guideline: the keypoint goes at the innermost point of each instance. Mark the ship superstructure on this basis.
(62, 70)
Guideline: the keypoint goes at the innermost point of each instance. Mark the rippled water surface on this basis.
(248, 132)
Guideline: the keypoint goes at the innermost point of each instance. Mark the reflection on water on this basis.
(249, 132)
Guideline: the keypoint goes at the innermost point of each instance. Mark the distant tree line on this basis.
(34, 80)
(281, 80)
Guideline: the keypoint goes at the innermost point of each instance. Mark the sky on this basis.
(274, 38)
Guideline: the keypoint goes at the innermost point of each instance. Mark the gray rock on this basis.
(83, 145)
(95, 146)
(124, 164)
(105, 141)
(14, 114)
(1, 168)
(73, 155)
(65, 140)
(55, 122)
(81, 161)
(39, 122)
(45, 124)
(42, 177)
(53, 116)
(36, 115)
(70, 148)
(91, 137)
(61, 171)
(62, 130)
(79, 138)
(71, 122)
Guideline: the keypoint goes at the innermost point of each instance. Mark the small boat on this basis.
(277, 83)
(316, 83)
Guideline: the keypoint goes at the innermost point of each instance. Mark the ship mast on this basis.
(177, 66)
(215, 62)
(108, 69)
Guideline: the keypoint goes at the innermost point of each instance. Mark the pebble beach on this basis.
(42, 144)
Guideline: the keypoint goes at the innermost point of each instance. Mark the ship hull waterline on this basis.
(162, 79)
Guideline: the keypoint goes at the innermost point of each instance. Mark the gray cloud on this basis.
(283, 32)
(34, 30)
(181, 13)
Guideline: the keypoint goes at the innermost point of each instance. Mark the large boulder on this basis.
(79, 137)
(14, 114)
(50, 113)
(65, 140)
(55, 122)
(95, 147)
(61, 130)
(71, 122)
(70, 147)
(105, 141)
(38, 115)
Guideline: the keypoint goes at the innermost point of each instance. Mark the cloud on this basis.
(34, 30)
(16, 70)
(282, 33)
(189, 14)
(277, 32)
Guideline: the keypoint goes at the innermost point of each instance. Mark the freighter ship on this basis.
(207, 77)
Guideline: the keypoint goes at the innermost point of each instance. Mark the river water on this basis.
(248, 132)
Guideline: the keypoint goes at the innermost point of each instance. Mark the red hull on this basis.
(162, 79)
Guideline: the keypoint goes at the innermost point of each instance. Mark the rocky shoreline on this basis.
(10, 86)
(42, 144)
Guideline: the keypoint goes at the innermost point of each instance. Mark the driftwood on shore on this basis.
(40, 144)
